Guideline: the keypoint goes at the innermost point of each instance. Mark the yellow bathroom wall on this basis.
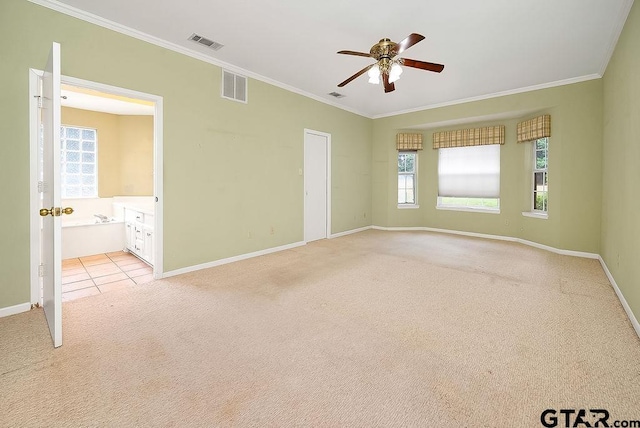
(125, 150)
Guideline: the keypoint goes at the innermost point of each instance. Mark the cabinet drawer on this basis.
(139, 246)
(148, 220)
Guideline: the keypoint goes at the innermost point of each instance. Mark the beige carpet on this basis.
(372, 329)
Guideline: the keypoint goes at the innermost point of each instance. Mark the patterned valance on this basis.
(409, 141)
(469, 137)
(532, 129)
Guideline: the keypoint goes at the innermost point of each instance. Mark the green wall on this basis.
(229, 168)
(574, 168)
(621, 163)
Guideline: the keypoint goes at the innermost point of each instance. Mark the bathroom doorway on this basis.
(106, 171)
(111, 175)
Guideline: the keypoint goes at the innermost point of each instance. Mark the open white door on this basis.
(51, 211)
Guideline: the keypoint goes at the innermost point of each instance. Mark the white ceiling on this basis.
(488, 47)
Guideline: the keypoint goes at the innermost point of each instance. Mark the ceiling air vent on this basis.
(206, 42)
(336, 95)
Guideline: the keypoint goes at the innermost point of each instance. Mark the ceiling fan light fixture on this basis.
(395, 72)
(388, 64)
(374, 75)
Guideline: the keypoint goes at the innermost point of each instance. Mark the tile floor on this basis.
(86, 276)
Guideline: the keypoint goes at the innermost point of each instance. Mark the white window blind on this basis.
(469, 172)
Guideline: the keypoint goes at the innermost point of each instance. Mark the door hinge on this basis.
(39, 100)
(41, 270)
(41, 186)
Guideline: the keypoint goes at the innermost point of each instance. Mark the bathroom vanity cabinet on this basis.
(139, 233)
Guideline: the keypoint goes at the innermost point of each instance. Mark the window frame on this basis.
(414, 174)
(63, 160)
(482, 208)
(545, 174)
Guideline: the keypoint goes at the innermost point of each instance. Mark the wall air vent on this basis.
(336, 95)
(234, 86)
(206, 42)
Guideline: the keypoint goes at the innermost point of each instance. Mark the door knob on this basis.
(55, 211)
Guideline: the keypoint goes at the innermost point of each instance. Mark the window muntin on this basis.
(469, 177)
(407, 168)
(79, 162)
(540, 177)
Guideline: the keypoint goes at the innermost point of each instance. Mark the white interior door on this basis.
(315, 186)
(51, 227)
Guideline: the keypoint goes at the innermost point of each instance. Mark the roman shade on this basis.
(469, 172)
(409, 141)
(469, 137)
(532, 129)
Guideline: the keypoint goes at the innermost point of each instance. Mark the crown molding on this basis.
(495, 95)
(623, 13)
(122, 29)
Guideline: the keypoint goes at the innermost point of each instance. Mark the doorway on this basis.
(133, 104)
(106, 169)
(317, 185)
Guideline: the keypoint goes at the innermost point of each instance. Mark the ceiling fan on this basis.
(387, 65)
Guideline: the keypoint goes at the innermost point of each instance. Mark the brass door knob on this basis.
(56, 212)
(45, 212)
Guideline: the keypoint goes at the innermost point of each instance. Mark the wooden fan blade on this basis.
(355, 53)
(429, 66)
(409, 41)
(388, 86)
(358, 74)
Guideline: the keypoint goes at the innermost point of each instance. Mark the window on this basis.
(78, 162)
(407, 167)
(540, 181)
(469, 178)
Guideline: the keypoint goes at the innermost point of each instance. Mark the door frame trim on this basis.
(304, 188)
(34, 198)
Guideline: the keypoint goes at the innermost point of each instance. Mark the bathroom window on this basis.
(79, 162)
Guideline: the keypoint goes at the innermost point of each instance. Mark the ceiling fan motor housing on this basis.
(383, 49)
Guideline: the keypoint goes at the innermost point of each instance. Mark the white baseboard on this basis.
(558, 250)
(449, 231)
(349, 232)
(12, 310)
(625, 305)
(232, 259)
(496, 237)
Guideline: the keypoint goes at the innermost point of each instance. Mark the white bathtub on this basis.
(85, 237)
